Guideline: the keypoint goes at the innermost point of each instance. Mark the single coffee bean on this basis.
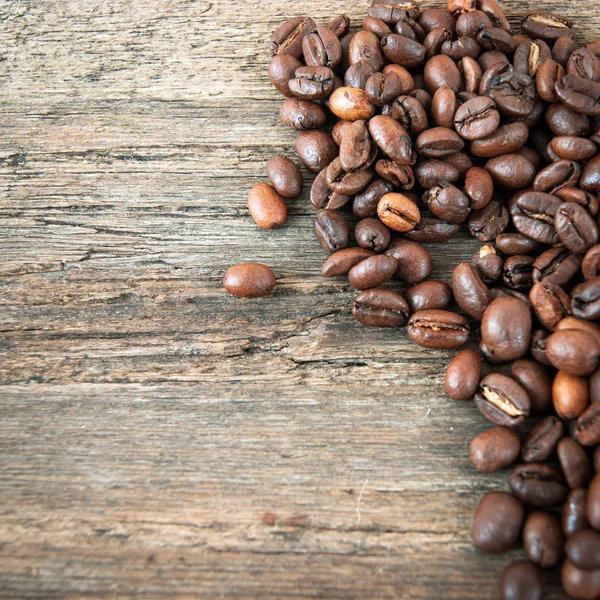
(590, 267)
(392, 139)
(312, 83)
(391, 11)
(403, 51)
(365, 45)
(536, 380)
(585, 300)
(495, 38)
(380, 308)
(477, 118)
(365, 202)
(488, 263)
(471, 294)
(288, 37)
(434, 41)
(463, 375)
(430, 18)
(322, 196)
(372, 272)
(447, 202)
(551, 304)
(376, 26)
(285, 176)
(574, 323)
(545, 81)
(494, 449)
(266, 206)
(506, 329)
(562, 49)
(441, 71)
(443, 107)
(587, 430)
(332, 230)
(530, 55)
(461, 48)
(345, 183)
(542, 24)
(574, 352)
(583, 549)
(590, 177)
(414, 261)
(543, 539)
(438, 329)
(438, 142)
(316, 149)
(540, 444)
(538, 346)
(479, 187)
(561, 173)
(351, 104)
(569, 147)
(497, 522)
(488, 222)
(533, 215)
(359, 73)
(570, 395)
(430, 173)
(469, 24)
(521, 580)
(322, 48)
(585, 63)
(356, 150)
(340, 25)
(282, 70)
(511, 171)
(302, 114)
(383, 88)
(574, 463)
(585, 199)
(574, 517)
(575, 227)
(578, 583)
(429, 295)
(580, 94)
(502, 400)
(398, 212)
(513, 244)
(432, 231)
(506, 139)
(557, 265)
(471, 73)
(342, 261)
(518, 272)
(537, 484)
(249, 280)
(400, 176)
(593, 503)
(409, 112)
(372, 234)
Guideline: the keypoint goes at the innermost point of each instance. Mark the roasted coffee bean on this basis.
(322, 196)
(550, 303)
(540, 444)
(585, 300)
(513, 92)
(332, 230)
(381, 88)
(347, 183)
(521, 580)
(477, 118)
(312, 83)
(447, 202)
(574, 463)
(463, 375)
(432, 231)
(288, 37)
(574, 517)
(495, 38)
(443, 107)
(392, 139)
(302, 114)
(376, 26)
(506, 329)
(471, 294)
(359, 73)
(505, 292)
(410, 29)
(432, 172)
(249, 280)
(488, 222)
(583, 549)
(545, 81)
(434, 41)
(593, 503)
(351, 104)
(562, 173)
(587, 430)
(497, 522)
(537, 485)
(438, 329)
(542, 24)
(430, 18)
(507, 139)
(573, 351)
(429, 295)
(518, 272)
(438, 142)
(414, 261)
(441, 71)
(316, 149)
(511, 171)
(533, 215)
(372, 272)
(570, 395)
(538, 346)
(502, 400)
(282, 70)
(471, 73)
(488, 263)
(339, 25)
(543, 539)
(530, 55)
(365, 202)
(400, 176)
(569, 147)
(563, 120)
(536, 380)
(461, 48)
(380, 308)
(494, 449)
(365, 45)
(398, 212)
(391, 11)
(322, 48)
(562, 49)
(285, 176)
(469, 24)
(585, 199)
(372, 234)
(580, 94)
(461, 6)
(557, 265)
(403, 51)
(592, 329)
(490, 59)
(409, 112)
(590, 177)
(590, 267)
(266, 206)
(578, 583)
(575, 227)
(356, 151)
(479, 187)
(513, 244)
(342, 261)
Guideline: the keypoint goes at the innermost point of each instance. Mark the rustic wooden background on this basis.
(160, 438)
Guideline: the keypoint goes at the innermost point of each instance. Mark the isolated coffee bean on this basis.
(434, 41)
(429, 295)
(488, 263)
(432, 231)
(583, 550)
(551, 304)
(403, 51)
(563, 120)
(537, 484)
(414, 260)
(570, 395)
(477, 118)
(312, 83)
(497, 522)
(543, 539)
(441, 71)
(542, 24)
(521, 580)
(562, 49)
(536, 380)
(587, 430)
(447, 202)
(409, 112)
(574, 516)
(376, 26)
(502, 400)
(365, 202)
(488, 222)
(479, 187)
(380, 308)
(585, 63)
(463, 375)
(494, 449)
(579, 94)
(382, 88)
(574, 463)
(372, 272)
(573, 352)
(438, 329)
(342, 261)
(573, 148)
(266, 206)
(339, 25)
(316, 149)
(533, 215)
(590, 177)
(356, 150)
(288, 37)
(561, 173)
(332, 230)
(506, 139)
(430, 18)
(398, 212)
(589, 327)
(530, 55)
(249, 280)
(285, 176)
(438, 142)
(585, 300)
(471, 294)
(540, 444)
(391, 11)
(581, 197)
(443, 107)
(372, 234)
(545, 81)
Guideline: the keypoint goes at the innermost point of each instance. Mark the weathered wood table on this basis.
(160, 438)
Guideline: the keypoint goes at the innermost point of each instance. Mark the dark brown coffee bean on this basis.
(339, 25)
(513, 244)
(438, 142)
(538, 485)
(502, 400)
(447, 202)
(322, 196)
(494, 449)
(463, 375)
(574, 463)
(365, 45)
(410, 114)
(351, 104)
(592, 329)
(490, 59)
(347, 183)
(506, 329)
(570, 395)
(372, 272)
(316, 149)
(521, 580)
(479, 187)
(435, 40)
(518, 272)
(530, 55)
(356, 151)
(513, 92)
(382, 88)
(285, 176)
(590, 177)
(542, 24)
(471, 294)
(322, 48)
(533, 216)
(432, 231)
(538, 346)
(575, 227)
(429, 295)
(438, 329)
(488, 263)
(573, 351)
(409, 28)
(249, 280)
(443, 107)
(590, 267)
(497, 523)
(543, 539)
(376, 26)
(540, 444)
(477, 118)
(593, 503)
(461, 48)
(430, 18)
(282, 70)
(489, 222)
(574, 517)
(302, 114)
(495, 38)
(414, 261)
(266, 206)
(583, 550)
(550, 303)
(380, 308)
(563, 120)
(587, 430)
(288, 37)
(557, 265)
(403, 51)
(471, 73)
(581, 95)
(365, 202)
(562, 49)
(392, 139)
(507, 139)
(359, 73)
(578, 583)
(545, 81)
(342, 261)
(431, 172)
(569, 147)
(398, 212)
(332, 230)
(469, 24)
(585, 300)
(372, 234)
(391, 11)
(536, 380)
(400, 176)
(511, 171)
(441, 71)
(584, 199)
(562, 173)
(312, 83)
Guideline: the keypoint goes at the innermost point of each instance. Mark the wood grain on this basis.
(161, 439)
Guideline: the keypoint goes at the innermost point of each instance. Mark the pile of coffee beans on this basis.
(426, 119)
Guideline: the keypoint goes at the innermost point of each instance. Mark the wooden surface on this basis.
(160, 438)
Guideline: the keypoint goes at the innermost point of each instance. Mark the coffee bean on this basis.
(518, 272)
(322, 48)
(521, 580)
(477, 118)
(414, 261)
(505, 140)
(365, 202)
(585, 199)
(488, 222)
(497, 523)
(540, 444)
(574, 517)
(372, 234)
(590, 267)
(536, 380)
(530, 55)
(376, 26)
(575, 227)
(513, 92)
(398, 175)
(538, 346)
(383, 88)
(266, 206)
(285, 176)
(587, 430)
(533, 215)
(494, 449)
(562, 49)
(578, 583)
(557, 265)
(316, 149)
(351, 104)
(249, 280)
(398, 212)
(282, 70)
(403, 51)
(342, 261)
(365, 45)
(429, 295)
(356, 147)
(495, 38)
(463, 375)
(409, 112)
(569, 147)
(561, 173)
(573, 351)
(312, 83)
(580, 94)
(469, 24)
(550, 303)
(513, 244)
(340, 25)
(430, 18)
(488, 263)
(537, 485)
(593, 503)
(583, 550)
(392, 139)
(430, 173)
(542, 24)
(471, 73)
(502, 400)
(332, 230)
(438, 329)
(431, 231)
(511, 171)
(288, 37)
(574, 323)
(441, 71)
(471, 294)
(545, 81)
(345, 183)
(391, 11)
(570, 395)
(585, 300)
(543, 539)
(506, 329)
(590, 177)
(380, 308)
(434, 41)
(438, 142)
(563, 120)
(447, 202)
(585, 63)
(302, 114)
(461, 48)
(574, 463)
(359, 73)
(322, 196)
(372, 272)
(443, 107)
